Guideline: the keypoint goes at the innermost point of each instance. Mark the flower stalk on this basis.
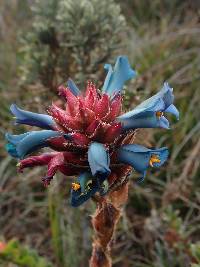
(104, 222)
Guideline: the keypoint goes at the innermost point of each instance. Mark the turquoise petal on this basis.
(116, 78)
(11, 149)
(99, 160)
(30, 118)
(163, 154)
(153, 103)
(30, 141)
(139, 156)
(166, 93)
(173, 110)
(83, 179)
(145, 119)
(144, 115)
(163, 123)
(149, 105)
(138, 160)
(15, 139)
(78, 197)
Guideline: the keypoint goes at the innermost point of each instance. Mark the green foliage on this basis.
(70, 38)
(22, 256)
(172, 218)
(54, 201)
(195, 250)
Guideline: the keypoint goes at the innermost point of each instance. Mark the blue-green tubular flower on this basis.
(31, 118)
(91, 182)
(140, 157)
(150, 113)
(116, 77)
(83, 189)
(23, 144)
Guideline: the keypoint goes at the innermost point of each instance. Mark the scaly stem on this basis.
(104, 222)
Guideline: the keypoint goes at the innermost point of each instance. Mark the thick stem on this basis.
(104, 222)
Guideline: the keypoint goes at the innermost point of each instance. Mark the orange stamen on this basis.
(159, 114)
(76, 186)
(154, 159)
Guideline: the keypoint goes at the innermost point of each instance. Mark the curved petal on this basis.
(30, 141)
(163, 122)
(30, 118)
(84, 179)
(15, 139)
(162, 101)
(138, 160)
(167, 95)
(85, 191)
(162, 153)
(77, 198)
(173, 110)
(73, 88)
(145, 119)
(139, 157)
(11, 149)
(99, 160)
(116, 78)
(153, 103)
(136, 148)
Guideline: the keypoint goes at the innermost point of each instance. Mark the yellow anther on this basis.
(18, 164)
(159, 114)
(154, 159)
(76, 186)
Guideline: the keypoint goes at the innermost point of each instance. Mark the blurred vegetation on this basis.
(160, 224)
(14, 253)
(68, 38)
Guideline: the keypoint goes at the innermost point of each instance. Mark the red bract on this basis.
(86, 118)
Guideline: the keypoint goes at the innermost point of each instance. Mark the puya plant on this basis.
(69, 36)
(93, 141)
